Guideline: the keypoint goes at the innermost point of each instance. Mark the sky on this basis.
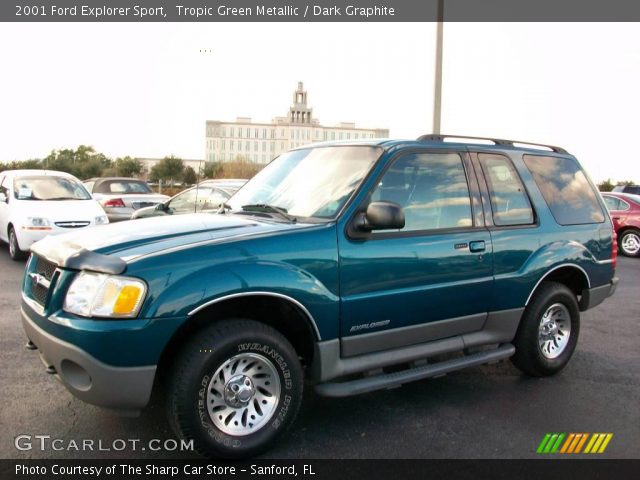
(146, 90)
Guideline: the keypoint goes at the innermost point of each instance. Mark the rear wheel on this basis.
(548, 331)
(630, 243)
(236, 387)
(14, 248)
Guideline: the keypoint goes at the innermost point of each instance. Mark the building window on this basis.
(273, 146)
(224, 132)
(232, 132)
(248, 146)
(264, 133)
(231, 145)
(222, 145)
(255, 146)
(348, 136)
(256, 133)
(333, 135)
(340, 135)
(240, 132)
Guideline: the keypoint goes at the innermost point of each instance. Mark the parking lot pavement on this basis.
(486, 412)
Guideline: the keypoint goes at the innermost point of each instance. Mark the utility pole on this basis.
(437, 91)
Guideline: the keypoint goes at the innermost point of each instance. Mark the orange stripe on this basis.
(567, 442)
(584, 439)
(574, 443)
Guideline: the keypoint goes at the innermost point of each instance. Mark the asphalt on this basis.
(491, 411)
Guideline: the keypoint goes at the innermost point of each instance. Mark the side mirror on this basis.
(3, 198)
(162, 207)
(380, 216)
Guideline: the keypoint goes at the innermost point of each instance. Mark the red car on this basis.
(625, 213)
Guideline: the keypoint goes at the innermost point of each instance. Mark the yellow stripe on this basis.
(598, 442)
(574, 443)
(606, 442)
(591, 442)
(567, 442)
(584, 439)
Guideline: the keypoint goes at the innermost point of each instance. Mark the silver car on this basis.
(121, 197)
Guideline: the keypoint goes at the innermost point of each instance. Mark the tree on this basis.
(189, 176)
(128, 167)
(605, 186)
(168, 169)
(84, 162)
(626, 182)
(212, 169)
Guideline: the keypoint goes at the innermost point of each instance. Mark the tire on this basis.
(548, 331)
(210, 400)
(15, 252)
(629, 243)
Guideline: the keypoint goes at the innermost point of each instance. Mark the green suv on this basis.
(358, 266)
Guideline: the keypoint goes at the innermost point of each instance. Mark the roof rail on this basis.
(434, 137)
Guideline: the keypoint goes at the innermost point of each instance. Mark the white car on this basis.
(38, 203)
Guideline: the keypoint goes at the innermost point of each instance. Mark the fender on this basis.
(519, 286)
(185, 296)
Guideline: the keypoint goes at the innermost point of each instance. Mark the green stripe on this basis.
(543, 443)
(550, 443)
(558, 443)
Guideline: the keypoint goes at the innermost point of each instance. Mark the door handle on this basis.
(477, 246)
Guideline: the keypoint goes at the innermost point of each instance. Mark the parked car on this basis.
(38, 203)
(625, 213)
(359, 265)
(206, 197)
(633, 189)
(230, 185)
(121, 197)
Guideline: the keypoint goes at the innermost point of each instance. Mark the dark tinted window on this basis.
(431, 188)
(566, 190)
(509, 200)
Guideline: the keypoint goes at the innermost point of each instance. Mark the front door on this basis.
(431, 279)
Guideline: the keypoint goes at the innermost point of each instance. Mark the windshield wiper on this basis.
(63, 198)
(257, 207)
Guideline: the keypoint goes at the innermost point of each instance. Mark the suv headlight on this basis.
(101, 295)
(101, 220)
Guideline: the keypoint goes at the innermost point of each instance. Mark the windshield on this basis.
(48, 188)
(314, 182)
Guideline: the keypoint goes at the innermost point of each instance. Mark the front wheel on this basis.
(236, 386)
(630, 243)
(14, 248)
(548, 331)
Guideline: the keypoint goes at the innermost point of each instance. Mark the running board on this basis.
(390, 380)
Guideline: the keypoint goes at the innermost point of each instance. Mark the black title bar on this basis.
(318, 11)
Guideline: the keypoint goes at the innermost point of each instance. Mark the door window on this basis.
(509, 201)
(432, 190)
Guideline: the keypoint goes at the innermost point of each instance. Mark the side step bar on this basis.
(389, 380)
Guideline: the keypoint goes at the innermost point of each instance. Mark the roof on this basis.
(37, 172)
(440, 140)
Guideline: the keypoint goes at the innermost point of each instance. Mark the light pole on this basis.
(437, 90)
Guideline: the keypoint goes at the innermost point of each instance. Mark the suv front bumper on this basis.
(126, 389)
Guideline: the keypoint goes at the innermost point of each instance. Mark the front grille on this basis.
(46, 269)
(39, 294)
(74, 224)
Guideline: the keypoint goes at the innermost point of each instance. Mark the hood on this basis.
(134, 238)
(61, 210)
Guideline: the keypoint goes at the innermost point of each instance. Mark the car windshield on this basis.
(49, 188)
(312, 182)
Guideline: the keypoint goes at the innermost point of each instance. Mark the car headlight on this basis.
(37, 223)
(101, 295)
(101, 220)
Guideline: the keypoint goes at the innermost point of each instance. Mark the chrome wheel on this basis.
(554, 330)
(243, 394)
(630, 243)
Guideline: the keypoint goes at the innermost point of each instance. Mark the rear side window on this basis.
(566, 190)
(614, 203)
(509, 201)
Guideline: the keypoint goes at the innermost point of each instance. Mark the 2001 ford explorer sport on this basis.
(360, 265)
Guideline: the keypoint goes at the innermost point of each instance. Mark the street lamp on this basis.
(437, 90)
